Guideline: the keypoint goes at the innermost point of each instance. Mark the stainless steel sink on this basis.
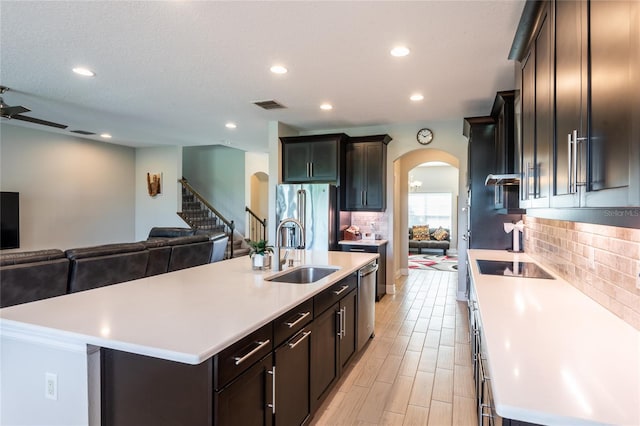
(303, 275)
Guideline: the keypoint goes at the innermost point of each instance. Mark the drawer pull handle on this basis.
(302, 316)
(239, 360)
(342, 289)
(296, 343)
(356, 249)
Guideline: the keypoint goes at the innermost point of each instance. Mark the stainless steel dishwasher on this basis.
(366, 302)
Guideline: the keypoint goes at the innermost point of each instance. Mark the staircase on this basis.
(201, 216)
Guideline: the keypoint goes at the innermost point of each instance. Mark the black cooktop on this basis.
(512, 269)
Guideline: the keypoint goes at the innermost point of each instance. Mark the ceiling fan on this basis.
(15, 113)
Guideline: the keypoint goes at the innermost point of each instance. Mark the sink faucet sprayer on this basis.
(278, 263)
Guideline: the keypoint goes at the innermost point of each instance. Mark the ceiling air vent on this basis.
(270, 104)
(82, 132)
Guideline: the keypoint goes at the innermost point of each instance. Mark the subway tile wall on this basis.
(364, 219)
(601, 261)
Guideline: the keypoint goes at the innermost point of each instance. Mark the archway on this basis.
(401, 167)
(258, 199)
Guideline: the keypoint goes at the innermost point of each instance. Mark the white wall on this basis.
(256, 187)
(159, 210)
(74, 192)
(22, 387)
(217, 172)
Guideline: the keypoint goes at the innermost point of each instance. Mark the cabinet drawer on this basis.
(334, 293)
(291, 322)
(233, 360)
(359, 248)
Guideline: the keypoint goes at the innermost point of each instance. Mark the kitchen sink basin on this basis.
(303, 275)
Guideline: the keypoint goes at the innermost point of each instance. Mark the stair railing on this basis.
(257, 226)
(229, 226)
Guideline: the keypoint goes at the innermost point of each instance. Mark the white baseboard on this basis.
(391, 289)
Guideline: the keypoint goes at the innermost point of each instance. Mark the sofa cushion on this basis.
(441, 234)
(187, 252)
(30, 256)
(30, 281)
(421, 232)
(98, 266)
(159, 255)
(169, 232)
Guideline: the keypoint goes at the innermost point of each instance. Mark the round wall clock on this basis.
(424, 136)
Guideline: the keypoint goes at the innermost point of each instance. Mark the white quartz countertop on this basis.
(555, 356)
(185, 316)
(363, 242)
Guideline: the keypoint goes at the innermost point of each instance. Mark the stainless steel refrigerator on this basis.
(316, 207)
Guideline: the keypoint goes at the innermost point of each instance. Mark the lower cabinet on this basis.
(333, 346)
(292, 379)
(381, 275)
(248, 400)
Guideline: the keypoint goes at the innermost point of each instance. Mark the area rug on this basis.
(433, 262)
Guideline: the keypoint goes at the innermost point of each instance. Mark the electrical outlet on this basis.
(51, 386)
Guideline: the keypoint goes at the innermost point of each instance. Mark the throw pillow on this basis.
(440, 234)
(421, 232)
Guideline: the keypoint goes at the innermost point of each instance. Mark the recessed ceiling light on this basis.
(326, 107)
(230, 125)
(105, 135)
(84, 72)
(416, 97)
(399, 51)
(278, 69)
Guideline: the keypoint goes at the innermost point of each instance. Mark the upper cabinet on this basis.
(580, 98)
(365, 183)
(537, 117)
(315, 158)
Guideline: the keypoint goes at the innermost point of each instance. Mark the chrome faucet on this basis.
(279, 262)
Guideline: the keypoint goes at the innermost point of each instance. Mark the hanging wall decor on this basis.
(154, 183)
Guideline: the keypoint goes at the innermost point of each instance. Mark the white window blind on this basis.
(430, 208)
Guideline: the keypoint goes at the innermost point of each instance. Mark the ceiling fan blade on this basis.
(38, 121)
(8, 111)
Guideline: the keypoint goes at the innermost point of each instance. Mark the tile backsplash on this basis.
(364, 219)
(601, 261)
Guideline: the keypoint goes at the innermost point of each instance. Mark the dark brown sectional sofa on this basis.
(30, 276)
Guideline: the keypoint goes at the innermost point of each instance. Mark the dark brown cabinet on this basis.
(292, 362)
(314, 158)
(381, 274)
(365, 184)
(334, 342)
(247, 400)
(578, 110)
(537, 118)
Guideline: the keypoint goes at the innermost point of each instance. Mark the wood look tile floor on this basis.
(417, 370)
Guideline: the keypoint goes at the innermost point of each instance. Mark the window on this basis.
(430, 208)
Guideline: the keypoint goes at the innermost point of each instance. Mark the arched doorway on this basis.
(258, 200)
(402, 166)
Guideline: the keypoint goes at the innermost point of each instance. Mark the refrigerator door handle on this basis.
(302, 211)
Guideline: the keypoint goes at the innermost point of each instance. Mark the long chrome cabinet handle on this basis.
(297, 342)
(344, 321)
(303, 315)
(311, 169)
(342, 289)
(239, 360)
(339, 319)
(272, 372)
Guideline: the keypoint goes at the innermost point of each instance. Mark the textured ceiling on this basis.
(174, 72)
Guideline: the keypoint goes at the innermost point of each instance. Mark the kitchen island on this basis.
(186, 316)
(553, 355)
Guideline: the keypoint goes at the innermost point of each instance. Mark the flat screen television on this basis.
(9, 220)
